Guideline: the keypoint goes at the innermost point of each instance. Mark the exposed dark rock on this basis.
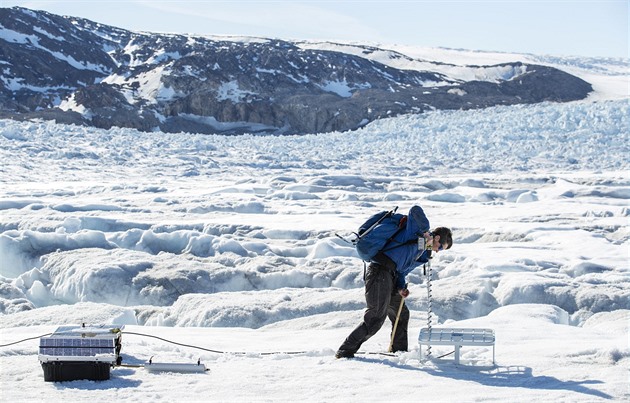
(78, 71)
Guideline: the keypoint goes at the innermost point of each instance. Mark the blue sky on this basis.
(556, 27)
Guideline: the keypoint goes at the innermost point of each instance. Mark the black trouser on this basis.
(383, 300)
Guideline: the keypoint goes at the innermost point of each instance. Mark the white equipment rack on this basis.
(456, 337)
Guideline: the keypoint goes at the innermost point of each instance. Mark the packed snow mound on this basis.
(174, 225)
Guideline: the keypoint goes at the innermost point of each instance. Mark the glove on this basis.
(404, 292)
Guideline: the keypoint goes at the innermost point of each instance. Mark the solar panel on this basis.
(83, 347)
(81, 343)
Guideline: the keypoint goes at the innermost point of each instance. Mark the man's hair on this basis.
(446, 236)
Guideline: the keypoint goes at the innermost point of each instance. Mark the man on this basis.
(385, 286)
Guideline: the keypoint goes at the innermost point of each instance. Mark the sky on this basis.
(597, 28)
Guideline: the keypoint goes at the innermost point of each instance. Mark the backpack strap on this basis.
(364, 231)
(401, 226)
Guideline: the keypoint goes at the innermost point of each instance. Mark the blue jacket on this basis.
(407, 257)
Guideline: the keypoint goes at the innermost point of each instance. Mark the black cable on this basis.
(379, 353)
(20, 341)
(239, 352)
(442, 356)
(210, 350)
(207, 349)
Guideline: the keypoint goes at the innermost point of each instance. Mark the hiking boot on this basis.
(344, 354)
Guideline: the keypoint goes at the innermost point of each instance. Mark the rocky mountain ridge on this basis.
(78, 71)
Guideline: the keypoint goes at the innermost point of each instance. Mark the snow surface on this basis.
(229, 244)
